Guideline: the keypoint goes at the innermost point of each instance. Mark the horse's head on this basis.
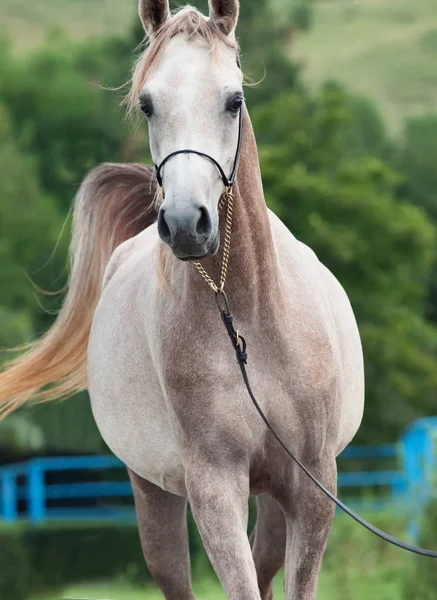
(189, 86)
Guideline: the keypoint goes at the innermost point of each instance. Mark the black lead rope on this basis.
(239, 345)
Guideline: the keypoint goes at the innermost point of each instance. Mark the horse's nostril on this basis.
(204, 225)
(163, 228)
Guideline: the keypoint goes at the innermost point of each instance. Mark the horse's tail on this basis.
(113, 204)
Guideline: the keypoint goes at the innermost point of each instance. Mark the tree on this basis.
(30, 225)
(61, 114)
(416, 158)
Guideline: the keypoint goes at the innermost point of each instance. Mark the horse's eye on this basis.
(146, 107)
(236, 104)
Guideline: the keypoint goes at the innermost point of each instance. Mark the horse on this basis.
(139, 328)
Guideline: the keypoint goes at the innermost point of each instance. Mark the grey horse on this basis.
(140, 330)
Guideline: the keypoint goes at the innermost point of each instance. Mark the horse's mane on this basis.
(187, 21)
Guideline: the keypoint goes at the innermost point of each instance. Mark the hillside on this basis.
(386, 49)
(27, 23)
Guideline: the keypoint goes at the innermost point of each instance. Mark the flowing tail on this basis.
(114, 203)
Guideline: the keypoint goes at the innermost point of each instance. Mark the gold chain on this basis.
(228, 197)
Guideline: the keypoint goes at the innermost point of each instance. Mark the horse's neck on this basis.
(252, 273)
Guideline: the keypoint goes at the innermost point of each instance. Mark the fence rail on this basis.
(96, 487)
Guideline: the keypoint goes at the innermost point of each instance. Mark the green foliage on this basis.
(19, 434)
(25, 212)
(88, 552)
(302, 12)
(15, 570)
(30, 224)
(15, 328)
(69, 426)
(50, 557)
(416, 158)
(357, 564)
(44, 558)
(70, 124)
(366, 130)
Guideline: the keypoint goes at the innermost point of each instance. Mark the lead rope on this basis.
(239, 345)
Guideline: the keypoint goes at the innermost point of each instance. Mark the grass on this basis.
(208, 589)
(386, 49)
(27, 23)
(353, 583)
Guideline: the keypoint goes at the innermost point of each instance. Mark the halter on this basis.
(227, 181)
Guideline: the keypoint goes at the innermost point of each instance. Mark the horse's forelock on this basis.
(189, 22)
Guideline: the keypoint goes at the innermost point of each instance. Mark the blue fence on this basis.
(96, 487)
(26, 490)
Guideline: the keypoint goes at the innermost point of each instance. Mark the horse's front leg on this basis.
(218, 492)
(162, 523)
(309, 514)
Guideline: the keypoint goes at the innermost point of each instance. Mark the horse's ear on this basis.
(224, 13)
(153, 14)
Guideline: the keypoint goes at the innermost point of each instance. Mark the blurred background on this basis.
(346, 123)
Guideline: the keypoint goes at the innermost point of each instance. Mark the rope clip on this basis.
(222, 301)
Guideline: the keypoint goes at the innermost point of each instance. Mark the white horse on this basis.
(165, 388)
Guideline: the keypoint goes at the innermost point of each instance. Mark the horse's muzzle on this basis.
(187, 230)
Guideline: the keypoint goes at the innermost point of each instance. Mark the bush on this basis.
(42, 558)
(357, 564)
(66, 554)
(416, 159)
(302, 13)
(48, 557)
(15, 570)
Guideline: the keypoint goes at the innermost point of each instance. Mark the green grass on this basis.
(209, 589)
(386, 49)
(27, 23)
(355, 582)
